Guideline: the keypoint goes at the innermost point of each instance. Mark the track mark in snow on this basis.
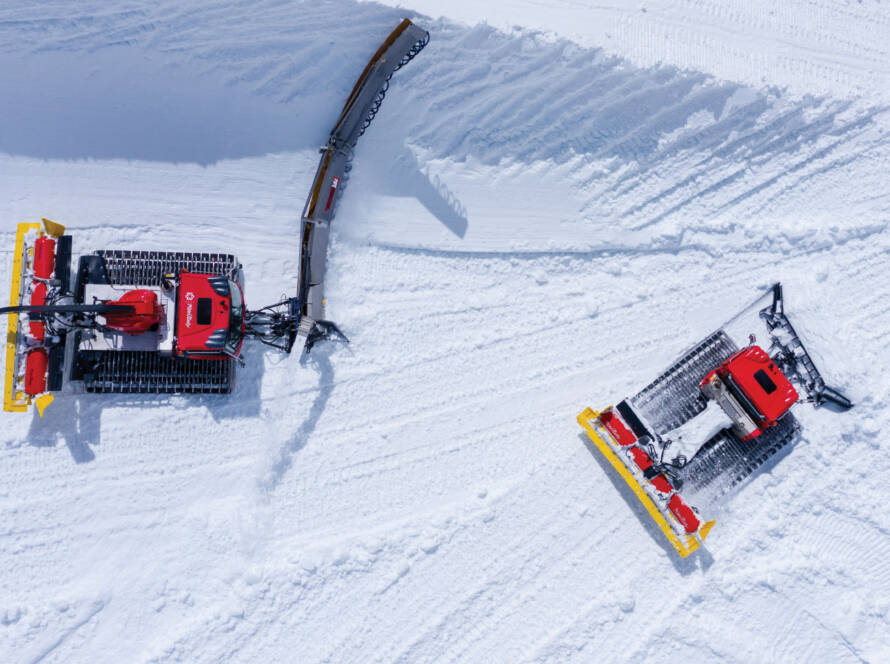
(321, 363)
(424, 494)
(658, 153)
(77, 620)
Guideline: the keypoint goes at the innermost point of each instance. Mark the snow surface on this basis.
(555, 200)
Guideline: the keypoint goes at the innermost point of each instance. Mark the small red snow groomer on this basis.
(725, 409)
(128, 321)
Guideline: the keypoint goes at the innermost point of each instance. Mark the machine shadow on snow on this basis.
(321, 361)
(667, 137)
(663, 138)
(702, 558)
(76, 420)
(397, 172)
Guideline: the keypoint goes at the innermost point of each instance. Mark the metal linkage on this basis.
(279, 325)
(275, 325)
(792, 355)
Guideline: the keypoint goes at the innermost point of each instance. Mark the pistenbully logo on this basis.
(189, 296)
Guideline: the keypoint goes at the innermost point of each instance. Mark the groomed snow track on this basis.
(531, 225)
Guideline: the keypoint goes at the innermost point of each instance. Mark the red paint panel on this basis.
(772, 395)
(35, 372)
(683, 514)
(44, 257)
(38, 299)
(147, 312)
(616, 427)
(642, 459)
(335, 182)
(192, 336)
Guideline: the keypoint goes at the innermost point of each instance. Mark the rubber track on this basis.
(674, 398)
(144, 372)
(725, 461)
(147, 268)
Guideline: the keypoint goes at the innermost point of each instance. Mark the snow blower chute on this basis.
(727, 407)
(405, 42)
(129, 321)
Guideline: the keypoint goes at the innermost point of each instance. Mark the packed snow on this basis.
(554, 201)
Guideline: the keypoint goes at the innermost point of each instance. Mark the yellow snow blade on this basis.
(42, 402)
(52, 228)
(13, 400)
(586, 419)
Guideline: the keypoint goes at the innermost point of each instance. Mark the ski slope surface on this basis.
(555, 200)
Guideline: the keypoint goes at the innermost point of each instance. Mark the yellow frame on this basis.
(18, 402)
(12, 402)
(586, 419)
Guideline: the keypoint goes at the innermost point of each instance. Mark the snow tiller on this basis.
(724, 409)
(129, 321)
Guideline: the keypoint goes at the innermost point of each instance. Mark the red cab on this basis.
(209, 316)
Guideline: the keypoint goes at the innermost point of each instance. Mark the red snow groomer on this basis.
(126, 321)
(159, 322)
(727, 409)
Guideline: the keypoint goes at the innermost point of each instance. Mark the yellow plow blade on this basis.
(586, 419)
(14, 400)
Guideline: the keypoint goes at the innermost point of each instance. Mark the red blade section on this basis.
(616, 427)
(44, 257)
(683, 513)
(35, 371)
(38, 299)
